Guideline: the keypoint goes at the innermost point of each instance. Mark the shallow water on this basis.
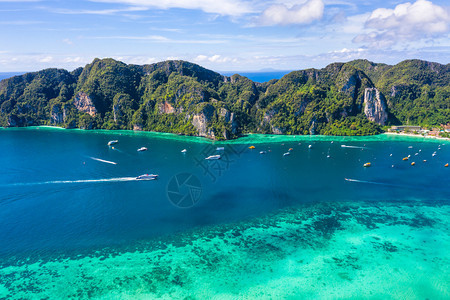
(72, 224)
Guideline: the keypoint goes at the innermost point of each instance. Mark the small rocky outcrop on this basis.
(166, 108)
(137, 127)
(14, 121)
(117, 112)
(58, 115)
(375, 106)
(277, 130)
(84, 103)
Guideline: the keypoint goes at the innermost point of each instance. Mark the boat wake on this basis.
(354, 147)
(118, 179)
(102, 160)
(371, 182)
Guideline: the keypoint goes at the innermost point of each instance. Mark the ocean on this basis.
(259, 76)
(304, 219)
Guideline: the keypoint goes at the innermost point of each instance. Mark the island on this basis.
(354, 98)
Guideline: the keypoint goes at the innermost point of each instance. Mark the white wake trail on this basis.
(371, 182)
(355, 147)
(118, 179)
(102, 160)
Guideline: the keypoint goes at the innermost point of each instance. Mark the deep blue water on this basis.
(259, 76)
(4, 75)
(54, 196)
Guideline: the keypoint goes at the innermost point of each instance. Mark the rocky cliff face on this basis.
(201, 120)
(375, 106)
(58, 115)
(84, 103)
(166, 108)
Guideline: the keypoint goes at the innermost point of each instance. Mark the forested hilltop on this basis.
(355, 98)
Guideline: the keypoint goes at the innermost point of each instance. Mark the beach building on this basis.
(405, 128)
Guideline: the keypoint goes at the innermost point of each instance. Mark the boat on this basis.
(290, 149)
(220, 148)
(251, 147)
(413, 163)
(262, 152)
(142, 149)
(310, 146)
(113, 142)
(405, 158)
(213, 157)
(367, 164)
(446, 165)
(147, 177)
(287, 153)
(183, 151)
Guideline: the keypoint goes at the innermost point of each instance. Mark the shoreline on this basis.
(255, 138)
(418, 135)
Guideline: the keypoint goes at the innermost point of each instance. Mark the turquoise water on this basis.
(74, 221)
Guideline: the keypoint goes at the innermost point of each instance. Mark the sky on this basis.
(222, 35)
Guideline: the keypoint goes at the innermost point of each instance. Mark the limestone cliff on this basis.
(166, 108)
(84, 103)
(200, 121)
(375, 106)
(58, 115)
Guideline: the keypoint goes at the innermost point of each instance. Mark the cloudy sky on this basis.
(223, 35)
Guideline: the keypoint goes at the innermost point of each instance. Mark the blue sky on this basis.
(222, 35)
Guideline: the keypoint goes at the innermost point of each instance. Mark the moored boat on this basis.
(142, 149)
(113, 142)
(213, 157)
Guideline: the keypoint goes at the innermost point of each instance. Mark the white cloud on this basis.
(98, 12)
(159, 39)
(74, 59)
(137, 59)
(282, 14)
(222, 7)
(67, 41)
(406, 22)
(46, 59)
(214, 59)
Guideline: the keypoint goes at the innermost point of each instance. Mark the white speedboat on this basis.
(147, 177)
(262, 152)
(213, 157)
(287, 153)
(183, 151)
(113, 142)
(142, 149)
(220, 148)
